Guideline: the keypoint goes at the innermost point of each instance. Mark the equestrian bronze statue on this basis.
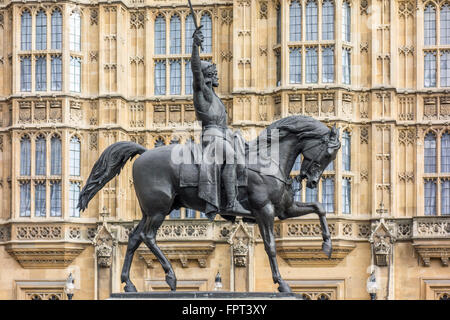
(223, 174)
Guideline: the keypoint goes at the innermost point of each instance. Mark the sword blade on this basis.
(193, 14)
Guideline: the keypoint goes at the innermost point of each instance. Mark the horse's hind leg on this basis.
(134, 240)
(149, 237)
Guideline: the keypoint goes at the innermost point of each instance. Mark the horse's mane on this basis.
(302, 126)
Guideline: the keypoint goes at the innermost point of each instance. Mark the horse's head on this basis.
(317, 154)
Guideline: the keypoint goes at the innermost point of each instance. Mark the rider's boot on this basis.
(230, 185)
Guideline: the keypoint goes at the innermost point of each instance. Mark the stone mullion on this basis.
(319, 39)
(33, 172)
(284, 50)
(419, 42)
(338, 47)
(183, 60)
(48, 173)
(15, 37)
(438, 173)
(15, 169)
(65, 57)
(338, 168)
(65, 174)
(167, 19)
(149, 61)
(393, 149)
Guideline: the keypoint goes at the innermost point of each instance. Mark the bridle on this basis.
(323, 143)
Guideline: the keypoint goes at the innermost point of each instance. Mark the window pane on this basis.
(311, 20)
(328, 194)
(430, 198)
(41, 74)
(327, 20)
(39, 200)
(330, 166)
(25, 156)
(346, 150)
(278, 23)
(175, 214)
(327, 65)
(55, 200)
(346, 196)
(445, 68)
(56, 76)
(74, 193)
(175, 35)
(175, 77)
(190, 213)
(160, 78)
(25, 32)
(207, 32)
(445, 24)
(56, 30)
(346, 64)
(430, 69)
(278, 61)
(429, 25)
(75, 32)
(74, 165)
(159, 143)
(297, 191)
(430, 153)
(311, 65)
(75, 74)
(188, 77)
(297, 163)
(295, 66)
(311, 195)
(25, 74)
(445, 197)
(55, 156)
(346, 21)
(160, 35)
(190, 28)
(445, 153)
(41, 31)
(41, 151)
(295, 21)
(25, 200)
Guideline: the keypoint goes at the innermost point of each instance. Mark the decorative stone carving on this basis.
(55, 114)
(39, 232)
(94, 17)
(227, 55)
(227, 16)
(364, 6)
(25, 112)
(159, 114)
(406, 8)
(240, 238)
(5, 233)
(347, 106)
(407, 136)
(327, 105)
(364, 105)
(382, 239)
(76, 114)
(93, 141)
(406, 108)
(175, 114)
(263, 10)
(364, 135)
(430, 108)
(295, 104)
(104, 242)
(189, 113)
(311, 105)
(137, 20)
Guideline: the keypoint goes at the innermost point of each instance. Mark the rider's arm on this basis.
(198, 80)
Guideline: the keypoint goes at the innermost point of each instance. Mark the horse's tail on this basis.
(107, 167)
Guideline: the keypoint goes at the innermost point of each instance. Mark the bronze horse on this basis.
(157, 185)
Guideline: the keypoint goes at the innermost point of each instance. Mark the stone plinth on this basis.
(204, 295)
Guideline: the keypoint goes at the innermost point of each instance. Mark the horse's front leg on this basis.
(299, 209)
(265, 223)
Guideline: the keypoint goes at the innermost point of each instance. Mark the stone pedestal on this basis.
(204, 295)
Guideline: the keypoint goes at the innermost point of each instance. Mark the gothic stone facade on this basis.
(93, 73)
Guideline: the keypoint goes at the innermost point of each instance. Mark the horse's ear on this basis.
(334, 132)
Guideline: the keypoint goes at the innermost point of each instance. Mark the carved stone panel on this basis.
(311, 105)
(159, 114)
(175, 114)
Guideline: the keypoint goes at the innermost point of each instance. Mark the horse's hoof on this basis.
(284, 287)
(327, 248)
(171, 281)
(129, 287)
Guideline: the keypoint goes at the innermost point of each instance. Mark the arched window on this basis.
(311, 20)
(74, 193)
(346, 151)
(327, 65)
(41, 155)
(160, 77)
(207, 32)
(445, 68)
(328, 194)
(175, 77)
(295, 65)
(25, 156)
(445, 24)
(430, 153)
(445, 197)
(430, 25)
(75, 74)
(295, 21)
(190, 28)
(160, 35)
(175, 35)
(41, 73)
(55, 165)
(74, 157)
(39, 199)
(430, 198)
(188, 77)
(327, 20)
(56, 30)
(75, 32)
(346, 66)
(311, 65)
(25, 31)
(430, 69)
(445, 153)
(41, 30)
(346, 21)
